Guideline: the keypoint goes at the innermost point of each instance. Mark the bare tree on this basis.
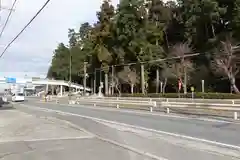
(225, 63)
(114, 81)
(163, 78)
(129, 76)
(165, 74)
(182, 66)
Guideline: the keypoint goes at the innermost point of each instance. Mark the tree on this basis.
(225, 62)
(138, 31)
(60, 63)
(129, 76)
(102, 33)
(72, 37)
(182, 66)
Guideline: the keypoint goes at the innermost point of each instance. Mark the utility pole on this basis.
(85, 78)
(142, 79)
(70, 74)
(5, 8)
(106, 83)
(157, 81)
(95, 79)
(112, 80)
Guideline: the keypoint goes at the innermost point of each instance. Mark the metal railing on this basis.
(229, 109)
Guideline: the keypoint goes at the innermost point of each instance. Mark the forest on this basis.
(151, 46)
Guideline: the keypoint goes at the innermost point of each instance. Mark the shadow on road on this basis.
(7, 106)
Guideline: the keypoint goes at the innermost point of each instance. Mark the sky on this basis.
(32, 52)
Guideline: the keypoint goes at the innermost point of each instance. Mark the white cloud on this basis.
(32, 52)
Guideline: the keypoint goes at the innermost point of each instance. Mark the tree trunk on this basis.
(233, 84)
(166, 38)
(132, 87)
(185, 81)
(235, 88)
(213, 31)
(119, 92)
(164, 85)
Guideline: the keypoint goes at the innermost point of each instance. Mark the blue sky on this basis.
(31, 54)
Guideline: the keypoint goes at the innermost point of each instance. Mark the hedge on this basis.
(188, 95)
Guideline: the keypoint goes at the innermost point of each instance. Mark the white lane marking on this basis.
(46, 139)
(132, 149)
(146, 113)
(127, 147)
(138, 127)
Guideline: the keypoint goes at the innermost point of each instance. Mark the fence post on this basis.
(154, 104)
(235, 116)
(168, 111)
(151, 109)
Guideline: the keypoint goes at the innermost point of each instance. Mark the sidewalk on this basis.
(26, 137)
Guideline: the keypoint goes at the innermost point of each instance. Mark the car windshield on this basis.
(20, 94)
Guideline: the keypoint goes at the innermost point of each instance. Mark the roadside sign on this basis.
(192, 89)
(179, 84)
(10, 80)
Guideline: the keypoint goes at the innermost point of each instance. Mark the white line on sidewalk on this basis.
(138, 127)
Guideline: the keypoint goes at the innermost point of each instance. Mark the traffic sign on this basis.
(10, 80)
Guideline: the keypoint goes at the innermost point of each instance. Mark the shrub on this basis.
(188, 95)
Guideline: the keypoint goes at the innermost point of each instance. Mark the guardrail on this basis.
(214, 109)
(196, 100)
(146, 105)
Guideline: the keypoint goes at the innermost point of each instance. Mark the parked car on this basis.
(18, 97)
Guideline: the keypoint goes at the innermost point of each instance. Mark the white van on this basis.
(18, 97)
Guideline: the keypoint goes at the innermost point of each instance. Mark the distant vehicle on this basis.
(1, 102)
(18, 97)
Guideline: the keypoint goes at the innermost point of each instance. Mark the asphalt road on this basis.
(130, 143)
(217, 131)
(27, 136)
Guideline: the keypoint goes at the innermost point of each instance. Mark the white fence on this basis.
(167, 106)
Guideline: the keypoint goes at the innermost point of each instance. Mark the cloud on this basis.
(32, 52)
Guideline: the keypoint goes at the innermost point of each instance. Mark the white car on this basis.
(18, 97)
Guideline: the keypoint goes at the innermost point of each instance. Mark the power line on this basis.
(8, 17)
(39, 11)
(147, 62)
